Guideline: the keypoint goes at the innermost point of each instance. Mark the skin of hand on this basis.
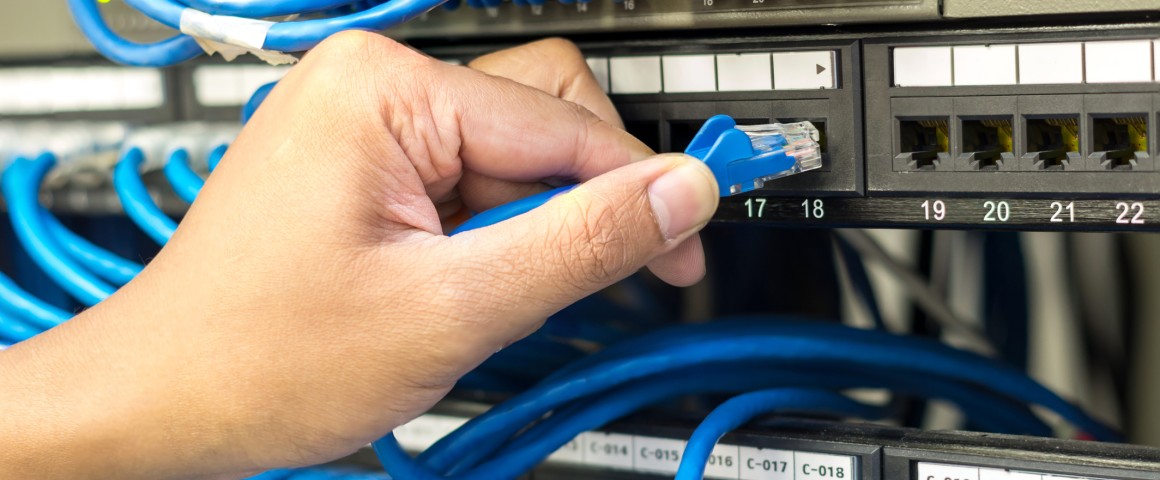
(310, 301)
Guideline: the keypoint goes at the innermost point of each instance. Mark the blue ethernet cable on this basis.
(256, 100)
(215, 156)
(995, 414)
(303, 35)
(185, 182)
(135, 199)
(14, 330)
(527, 451)
(822, 344)
(263, 8)
(509, 210)
(107, 265)
(534, 444)
(32, 310)
(172, 51)
(292, 36)
(738, 410)
(22, 192)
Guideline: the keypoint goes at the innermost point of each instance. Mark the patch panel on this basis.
(1052, 115)
(664, 92)
(968, 118)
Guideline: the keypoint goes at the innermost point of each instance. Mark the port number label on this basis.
(818, 208)
(660, 455)
(1130, 213)
(1059, 209)
(766, 464)
(936, 210)
(756, 207)
(997, 211)
(609, 450)
(819, 466)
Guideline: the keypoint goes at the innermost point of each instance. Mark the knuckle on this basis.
(564, 54)
(355, 54)
(561, 48)
(353, 44)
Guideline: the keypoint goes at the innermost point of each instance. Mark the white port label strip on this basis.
(938, 471)
(653, 455)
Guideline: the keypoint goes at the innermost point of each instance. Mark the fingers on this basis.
(555, 66)
(517, 133)
(591, 237)
(422, 123)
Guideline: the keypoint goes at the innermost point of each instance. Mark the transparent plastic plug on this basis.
(777, 141)
(791, 132)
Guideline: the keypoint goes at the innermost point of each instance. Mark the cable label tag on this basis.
(231, 36)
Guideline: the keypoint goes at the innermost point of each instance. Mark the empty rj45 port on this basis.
(1052, 143)
(1119, 142)
(987, 144)
(924, 144)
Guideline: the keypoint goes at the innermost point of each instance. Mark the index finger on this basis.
(519, 133)
(556, 66)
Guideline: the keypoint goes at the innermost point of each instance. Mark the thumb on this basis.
(584, 240)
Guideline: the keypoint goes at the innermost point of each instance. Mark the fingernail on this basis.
(684, 198)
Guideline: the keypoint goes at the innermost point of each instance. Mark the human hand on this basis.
(310, 302)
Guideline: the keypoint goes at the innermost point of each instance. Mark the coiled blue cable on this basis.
(533, 447)
(25, 305)
(738, 410)
(764, 347)
(993, 413)
(172, 51)
(22, 192)
(135, 199)
(298, 36)
(688, 335)
(14, 330)
(264, 8)
(185, 182)
(255, 101)
(105, 264)
(215, 157)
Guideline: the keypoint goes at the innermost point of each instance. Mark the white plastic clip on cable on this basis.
(231, 36)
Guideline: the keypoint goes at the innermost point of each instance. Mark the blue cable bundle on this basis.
(735, 356)
(242, 23)
(134, 195)
(185, 182)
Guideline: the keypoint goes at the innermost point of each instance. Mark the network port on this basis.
(924, 143)
(987, 144)
(1052, 143)
(1119, 142)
